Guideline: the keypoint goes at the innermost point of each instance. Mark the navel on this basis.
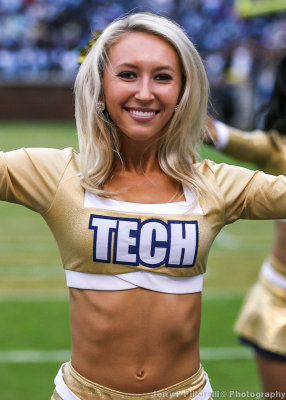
(140, 374)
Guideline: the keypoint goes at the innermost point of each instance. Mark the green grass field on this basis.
(34, 330)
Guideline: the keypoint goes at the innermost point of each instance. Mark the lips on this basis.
(141, 112)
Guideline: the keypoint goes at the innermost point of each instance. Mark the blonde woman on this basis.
(134, 215)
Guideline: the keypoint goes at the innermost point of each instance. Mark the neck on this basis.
(140, 157)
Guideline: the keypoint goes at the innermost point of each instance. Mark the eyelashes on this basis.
(129, 75)
(164, 77)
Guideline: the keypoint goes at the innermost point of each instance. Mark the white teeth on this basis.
(142, 113)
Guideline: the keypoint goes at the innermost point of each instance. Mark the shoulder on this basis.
(31, 176)
(42, 153)
(40, 157)
(206, 166)
(223, 173)
(41, 164)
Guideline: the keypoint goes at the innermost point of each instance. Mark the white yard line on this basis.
(34, 356)
(46, 356)
(32, 294)
(226, 353)
(228, 241)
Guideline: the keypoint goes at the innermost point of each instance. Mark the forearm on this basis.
(245, 146)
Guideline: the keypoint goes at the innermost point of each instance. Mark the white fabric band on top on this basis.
(222, 135)
(131, 280)
(206, 392)
(91, 200)
(281, 220)
(62, 389)
(66, 394)
(273, 276)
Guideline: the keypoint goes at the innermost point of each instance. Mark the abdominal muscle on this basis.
(137, 340)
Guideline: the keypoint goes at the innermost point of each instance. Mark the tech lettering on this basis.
(150, 243)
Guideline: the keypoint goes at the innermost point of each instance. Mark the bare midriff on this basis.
(137, 340)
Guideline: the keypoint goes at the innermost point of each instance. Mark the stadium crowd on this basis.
(39, 42)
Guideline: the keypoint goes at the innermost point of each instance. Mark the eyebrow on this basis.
(161, 67)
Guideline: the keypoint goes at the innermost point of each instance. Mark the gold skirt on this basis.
(262, 319)
(85, 389)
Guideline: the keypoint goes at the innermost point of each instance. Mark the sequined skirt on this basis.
(262, 320)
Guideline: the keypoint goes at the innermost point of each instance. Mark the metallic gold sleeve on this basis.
(250, 194)
(30, 177)
(266, 150)
(248, 146)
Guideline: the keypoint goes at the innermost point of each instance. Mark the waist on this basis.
(270, 271)
(277, 265)
(194, 387)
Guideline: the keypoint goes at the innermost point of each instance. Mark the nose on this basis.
(144, 90)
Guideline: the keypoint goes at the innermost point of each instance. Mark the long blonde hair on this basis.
(98, 141)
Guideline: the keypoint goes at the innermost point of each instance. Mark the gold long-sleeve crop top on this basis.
(99, 241)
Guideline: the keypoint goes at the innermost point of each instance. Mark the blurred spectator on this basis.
(39, 41)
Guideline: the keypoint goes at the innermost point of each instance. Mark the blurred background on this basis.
(239, 41)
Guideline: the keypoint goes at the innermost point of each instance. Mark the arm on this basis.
(247, 194)
(30, 177)
(255, 147)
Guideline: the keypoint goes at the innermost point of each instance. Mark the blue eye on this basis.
(127, 75)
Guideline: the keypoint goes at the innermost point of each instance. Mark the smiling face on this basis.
(141, 85)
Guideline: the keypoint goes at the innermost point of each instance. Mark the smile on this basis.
(141, 113)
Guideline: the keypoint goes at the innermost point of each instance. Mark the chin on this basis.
(142, 137)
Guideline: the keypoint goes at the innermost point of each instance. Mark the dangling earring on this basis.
(100, 106)
(176, 108)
